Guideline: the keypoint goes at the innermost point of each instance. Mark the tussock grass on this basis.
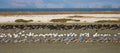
(108, 21)
(23, 21)
(63, 20)
(60, 20)
(76, 16)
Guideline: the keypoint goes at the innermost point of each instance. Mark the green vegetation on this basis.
(108, 21)
(39, 21)
(63, 20)
(76, 20)
(60, 20)
(24, 21)
(76, 16)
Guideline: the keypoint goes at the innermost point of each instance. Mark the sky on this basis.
(59, 3)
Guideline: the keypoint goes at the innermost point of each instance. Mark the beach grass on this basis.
(76, 20)
(108, 21)
(63, 20)
(23, 21)
(76, 16)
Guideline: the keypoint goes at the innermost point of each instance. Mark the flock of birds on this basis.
(23, 37)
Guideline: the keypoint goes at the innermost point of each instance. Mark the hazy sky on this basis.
(59, 3)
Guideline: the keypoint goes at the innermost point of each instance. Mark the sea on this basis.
(57, 9)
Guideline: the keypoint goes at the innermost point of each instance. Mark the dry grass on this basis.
(38, 13)
(23, 21)
(81, 16)
(63, 20)
(76, 20)
(60, 20)
(108, 21)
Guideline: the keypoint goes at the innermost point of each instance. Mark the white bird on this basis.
(23, 31)
(9, 35)
(15, 35)
(1, 36)
(20, 33)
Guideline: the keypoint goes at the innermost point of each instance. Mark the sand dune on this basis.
(46, 18)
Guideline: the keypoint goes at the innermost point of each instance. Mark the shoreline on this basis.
(52, 13)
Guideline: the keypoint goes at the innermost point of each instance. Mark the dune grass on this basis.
(108, 21)
(60, 20)
(63, 20)
(76, 16)
(23, 21)
(76, 20)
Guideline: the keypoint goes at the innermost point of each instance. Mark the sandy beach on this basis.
(46, 17)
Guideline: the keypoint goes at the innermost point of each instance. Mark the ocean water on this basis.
(57, 9)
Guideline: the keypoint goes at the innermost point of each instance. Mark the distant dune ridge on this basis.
(38, 13)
